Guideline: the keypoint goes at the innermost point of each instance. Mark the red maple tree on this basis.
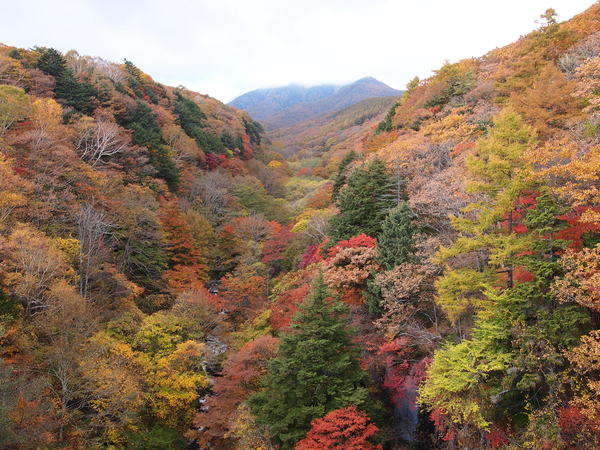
(345, 428)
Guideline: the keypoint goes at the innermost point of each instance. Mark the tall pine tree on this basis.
(499, 175)
(68, 90)
(340, 178)
(316, 372)
(509, 369)
(364, 203)
(395, 244)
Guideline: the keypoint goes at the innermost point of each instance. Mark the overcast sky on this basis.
(227, 47)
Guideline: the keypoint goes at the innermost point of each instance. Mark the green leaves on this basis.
(76, 94)
(363, 204)
(396, 242)
(316, 371)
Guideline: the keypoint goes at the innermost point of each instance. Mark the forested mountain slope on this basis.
(287, 106)
(333, 133)
(421, 272)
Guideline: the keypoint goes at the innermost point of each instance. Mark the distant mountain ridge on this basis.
(285, 106)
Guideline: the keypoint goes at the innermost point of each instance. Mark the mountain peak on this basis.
(368, 80)
(284, 106)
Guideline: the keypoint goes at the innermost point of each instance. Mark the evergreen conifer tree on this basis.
(316, 371)
(340, 178)
(73, 93)
(395, 244)
(145, 132)
(364, 203)
(497, 171)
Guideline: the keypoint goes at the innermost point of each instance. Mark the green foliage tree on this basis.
(145, 132)
(364, 203)
(386, 124)
(14, 106)
(499, 175)
(190, 117)
(254, 130)
(73, 93)
(510, 366)
(137, 84)
(316, 371)
(340, 178)
(395, 244)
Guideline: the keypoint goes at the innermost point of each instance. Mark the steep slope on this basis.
(120, 199)
(418, 272)
(281, 107)
(263, 103)
(332, 133)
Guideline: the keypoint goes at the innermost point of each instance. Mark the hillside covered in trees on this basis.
(290, 105)
(414, 272)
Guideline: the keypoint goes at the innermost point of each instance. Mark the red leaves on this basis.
(571, 420)
(459, 148)
(401, 376)
(577, 229)
(443, 424)
(244, 292)
(343, 429)
(311, 255)
(241, 376)
(274, 248)
(213, 161)
(362, 240)
(321, 198)
(498, 438)
(188, 267)
(286, 306)
(247, 150)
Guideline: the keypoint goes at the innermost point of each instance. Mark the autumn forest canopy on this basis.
(414, 270)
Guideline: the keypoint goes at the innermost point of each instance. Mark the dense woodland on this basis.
(420, 276)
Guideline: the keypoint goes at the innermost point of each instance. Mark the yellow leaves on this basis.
(581, 282)
(47, 114)
(249, 435)
(35, 263)
(572, 171)
(586, 360)
(69, 246)
(275, 164)
(454, 127)
(587, 79)
(174, 384)
(498, 159)
(14, 106)
(550, 103)
(303, 219)
(180, 144)
(47, 121)
(251, 330)
(112, 377)
(9, 201)
(460, 291)
(586, 356)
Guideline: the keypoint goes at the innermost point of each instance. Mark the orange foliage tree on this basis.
(240, 377)
(342, 429)
(188, 267)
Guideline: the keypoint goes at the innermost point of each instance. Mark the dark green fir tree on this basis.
(396, 243)
(340, 178)
(364, 203)
(316, 371)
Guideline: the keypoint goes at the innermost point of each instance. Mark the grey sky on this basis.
(226, 47)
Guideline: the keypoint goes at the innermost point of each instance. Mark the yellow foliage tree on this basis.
(14, 106)
(174, 383)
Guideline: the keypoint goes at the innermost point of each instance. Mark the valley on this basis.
(327, 267)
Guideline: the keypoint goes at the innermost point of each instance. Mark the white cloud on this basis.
(226, 47)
